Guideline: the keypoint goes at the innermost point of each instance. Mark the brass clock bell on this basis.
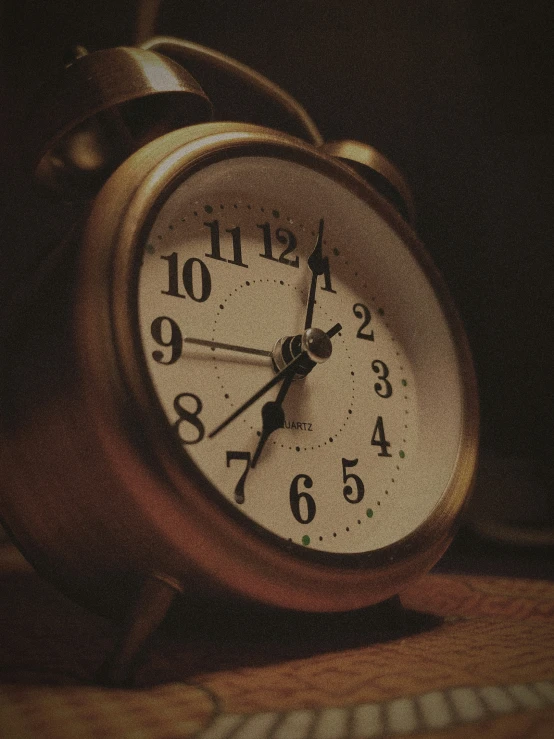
(241, 371)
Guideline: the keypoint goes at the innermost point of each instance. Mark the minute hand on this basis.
(274, 380)
(317, 264)
(228, 347)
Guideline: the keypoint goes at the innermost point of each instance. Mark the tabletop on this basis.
(468, 655)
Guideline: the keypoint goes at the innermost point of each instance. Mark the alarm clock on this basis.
(240, 372)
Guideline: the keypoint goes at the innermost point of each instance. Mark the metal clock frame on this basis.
(200, 532)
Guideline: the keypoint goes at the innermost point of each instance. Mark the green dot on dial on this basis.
(305, 540)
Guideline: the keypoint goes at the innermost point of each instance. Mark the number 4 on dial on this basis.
(379, 439)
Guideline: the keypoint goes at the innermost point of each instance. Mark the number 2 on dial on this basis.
(362, 311)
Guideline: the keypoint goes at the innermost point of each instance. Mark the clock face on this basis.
(357, 450)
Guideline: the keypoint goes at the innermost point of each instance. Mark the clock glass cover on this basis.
(368, 440)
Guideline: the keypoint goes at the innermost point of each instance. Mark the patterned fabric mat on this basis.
(481, 666)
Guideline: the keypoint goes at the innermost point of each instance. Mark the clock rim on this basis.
(193, 526)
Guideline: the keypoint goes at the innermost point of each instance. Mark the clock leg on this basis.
(149, 610)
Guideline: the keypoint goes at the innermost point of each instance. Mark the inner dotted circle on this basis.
(294, 446)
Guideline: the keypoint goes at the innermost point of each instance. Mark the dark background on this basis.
(455, 93)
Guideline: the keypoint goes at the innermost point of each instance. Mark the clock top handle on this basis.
(209, 60)
(106, 105)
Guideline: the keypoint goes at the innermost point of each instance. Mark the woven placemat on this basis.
(482, 665)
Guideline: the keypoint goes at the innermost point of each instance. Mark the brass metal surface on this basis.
(102, 107)
(367, 161)
(217, 544)
(188, 51)
(95, 490)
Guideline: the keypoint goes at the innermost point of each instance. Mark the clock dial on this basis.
(351, 449)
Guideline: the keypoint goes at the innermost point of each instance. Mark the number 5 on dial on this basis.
(348, 491)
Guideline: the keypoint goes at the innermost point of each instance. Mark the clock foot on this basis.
(152, 604)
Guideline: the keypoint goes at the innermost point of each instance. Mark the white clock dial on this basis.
(368, 440)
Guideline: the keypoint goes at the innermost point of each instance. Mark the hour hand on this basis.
(273, 416)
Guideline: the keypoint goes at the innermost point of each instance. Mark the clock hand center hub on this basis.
(315, 342)
(318, 345)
